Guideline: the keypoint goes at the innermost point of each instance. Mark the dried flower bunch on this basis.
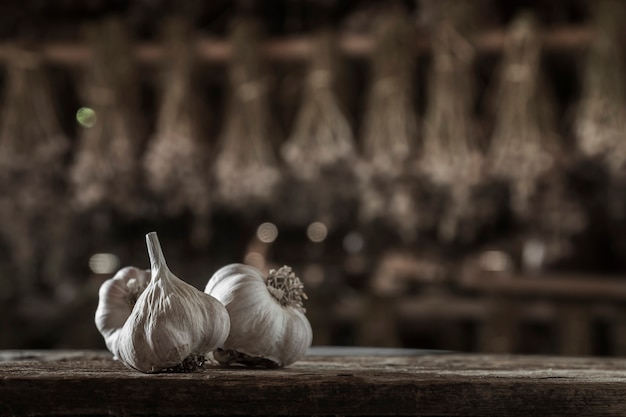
(450, 145)
(320, 152)
(601, 115)
(525, 149)
(152, 321)
(106, 169)
(524, 145)
(390, 121)
(33, 148)
(451, 157)
(247, 170)
(177, 158)
(390, 130)
(321, 135)
(600, 124)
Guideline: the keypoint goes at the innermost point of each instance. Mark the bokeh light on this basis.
(495, 261)
(353, 242)
(317, 232)
(86, 117)
(104, 263)
(267, 232)
(254, 259)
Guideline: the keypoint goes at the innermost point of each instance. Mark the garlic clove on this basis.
(173, 325)
(268, 324)
(117, 296)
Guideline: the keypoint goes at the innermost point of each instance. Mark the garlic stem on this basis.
(286, 287)
(157, 259)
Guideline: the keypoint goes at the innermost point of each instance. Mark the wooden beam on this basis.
(211, 49)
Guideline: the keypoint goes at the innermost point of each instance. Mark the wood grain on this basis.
(363, 383)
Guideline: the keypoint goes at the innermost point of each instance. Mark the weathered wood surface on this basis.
(326, 382)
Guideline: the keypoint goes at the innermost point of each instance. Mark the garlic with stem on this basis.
(172, 325)
(268, 324)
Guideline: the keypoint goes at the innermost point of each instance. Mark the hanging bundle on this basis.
(600, 125)
(33, 148)
(390, 123)
(390, 130)
(320, 152)
(321, 136)
(247, 169)
(176, 159)
(601, 117)
(105, 171)
(451, 158)
(525, 149)
(524, 145)
(450, 148)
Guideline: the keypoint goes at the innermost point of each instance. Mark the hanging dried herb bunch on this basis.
(390, 122)
(320, 152)
(105, 171)
(390, 129)
(600, 124)
(450, 146)
(451, 157)
(601, 117)
(321, 136)
(247, 167)
(33, 149)
(526, 150)
(176, 159)
(524, 145)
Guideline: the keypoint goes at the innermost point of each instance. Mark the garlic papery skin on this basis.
(268, 324)
(116, 299)
(173, 325)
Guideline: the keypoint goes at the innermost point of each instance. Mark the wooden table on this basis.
(328, 381)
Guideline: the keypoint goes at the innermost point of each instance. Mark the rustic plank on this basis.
(351, 383)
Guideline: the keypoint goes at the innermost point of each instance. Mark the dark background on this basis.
(420, 292)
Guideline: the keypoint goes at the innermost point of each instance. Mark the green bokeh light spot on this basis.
(86, 117)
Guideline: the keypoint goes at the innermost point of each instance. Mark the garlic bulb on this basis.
(117, 297)
(172, 325)
(268, 325)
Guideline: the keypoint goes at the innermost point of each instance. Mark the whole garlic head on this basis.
(172, 325)
(268, 324)
(117, 297)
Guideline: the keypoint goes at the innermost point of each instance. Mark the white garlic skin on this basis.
(261, 327)
(171, 322)
(116, 299)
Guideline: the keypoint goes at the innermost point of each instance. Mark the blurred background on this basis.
(440, 174)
